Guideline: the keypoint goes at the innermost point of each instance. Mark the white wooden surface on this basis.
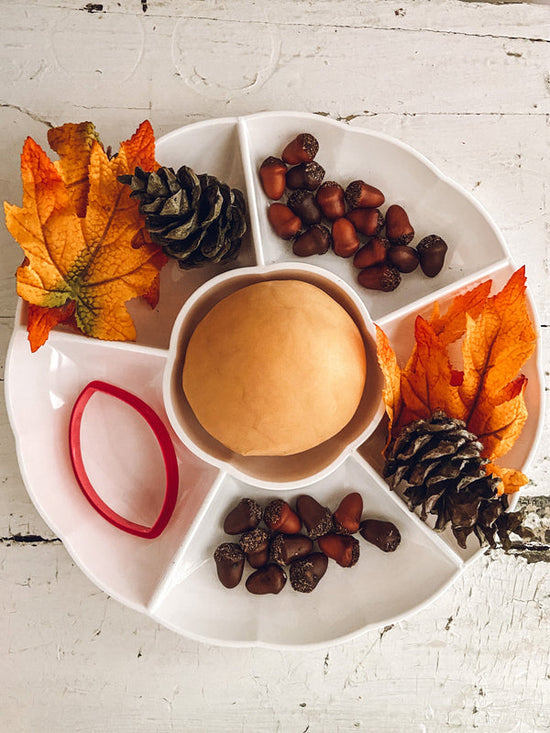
(467, 84)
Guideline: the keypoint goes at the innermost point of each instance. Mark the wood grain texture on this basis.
(468, 85)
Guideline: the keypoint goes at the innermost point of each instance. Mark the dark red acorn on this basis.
(343, 549)
(361, 195)
(279, 517)
(330, 197)
(302, 149)
(372, 253)
(284, 222)
(380, 277)
(367, 221)
(345, 241)
(347, 516)
(273, 177)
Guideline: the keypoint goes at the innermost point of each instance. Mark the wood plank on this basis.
(144, 63)
(91, 664)
(521, 20)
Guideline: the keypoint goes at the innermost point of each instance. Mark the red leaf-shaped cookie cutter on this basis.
(164, 441)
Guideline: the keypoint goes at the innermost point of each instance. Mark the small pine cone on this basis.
(195, 218)
(438, 465)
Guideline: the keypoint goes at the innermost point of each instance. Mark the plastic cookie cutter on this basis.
(168, 454)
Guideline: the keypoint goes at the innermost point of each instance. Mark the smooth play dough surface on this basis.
(275, 368)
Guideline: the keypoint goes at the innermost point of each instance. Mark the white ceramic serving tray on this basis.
(173, 578)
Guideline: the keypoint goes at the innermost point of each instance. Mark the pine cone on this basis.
(196, 219)
(438, 462)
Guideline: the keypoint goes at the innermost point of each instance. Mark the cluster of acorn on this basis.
(352, 213)
(286, 544)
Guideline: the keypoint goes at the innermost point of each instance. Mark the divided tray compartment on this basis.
(379, 589)
(172, 578)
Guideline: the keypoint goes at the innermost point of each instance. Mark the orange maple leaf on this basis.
(496, 346)
(40, 321)
(511, 479)
(427, 384)
(73, 143)
(391, 391)
(88, 261)
(488, 394)
(498, 422)
(452, 326)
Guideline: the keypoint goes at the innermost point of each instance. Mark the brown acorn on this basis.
(285, 548)
(345, 241)
(269, 579)
(398, 227)
(347, 516)
(367, 221)
(314, 241)
(343, 549)
(302, 149)
(330, 197)
(372, 253)
(283, 221)
(229, 559)
(317, 518)
(306, 572)
(403, 257)
(384, 535)
(279, 517)
(306, 175)
(303, 203)
(273, 177)
(255, 545)
(431, 251)
(246, 515)
(361, 195)
(380, 277)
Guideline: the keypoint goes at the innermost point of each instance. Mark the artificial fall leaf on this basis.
(90, 261)
(498, 422)
(487, 394)
(428, 385)
(152, 295)
(391, 391)
(73, 143)
(496, 346)
(452, 326)
(511, 479)
(40, 321)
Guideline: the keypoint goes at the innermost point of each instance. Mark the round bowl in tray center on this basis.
(290, 471)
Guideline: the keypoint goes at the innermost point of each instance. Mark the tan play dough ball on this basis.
(275, 368)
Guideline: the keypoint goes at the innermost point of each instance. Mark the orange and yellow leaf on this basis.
(501, 421)
(392, 377)
(40, 321)
(427, 384)
(73, 143)
(89, 261)
(498, 337)
(452, 326)
(512, 480)
(496, 346)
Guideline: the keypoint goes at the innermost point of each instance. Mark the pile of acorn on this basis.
(320, 215)
(286, 544)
